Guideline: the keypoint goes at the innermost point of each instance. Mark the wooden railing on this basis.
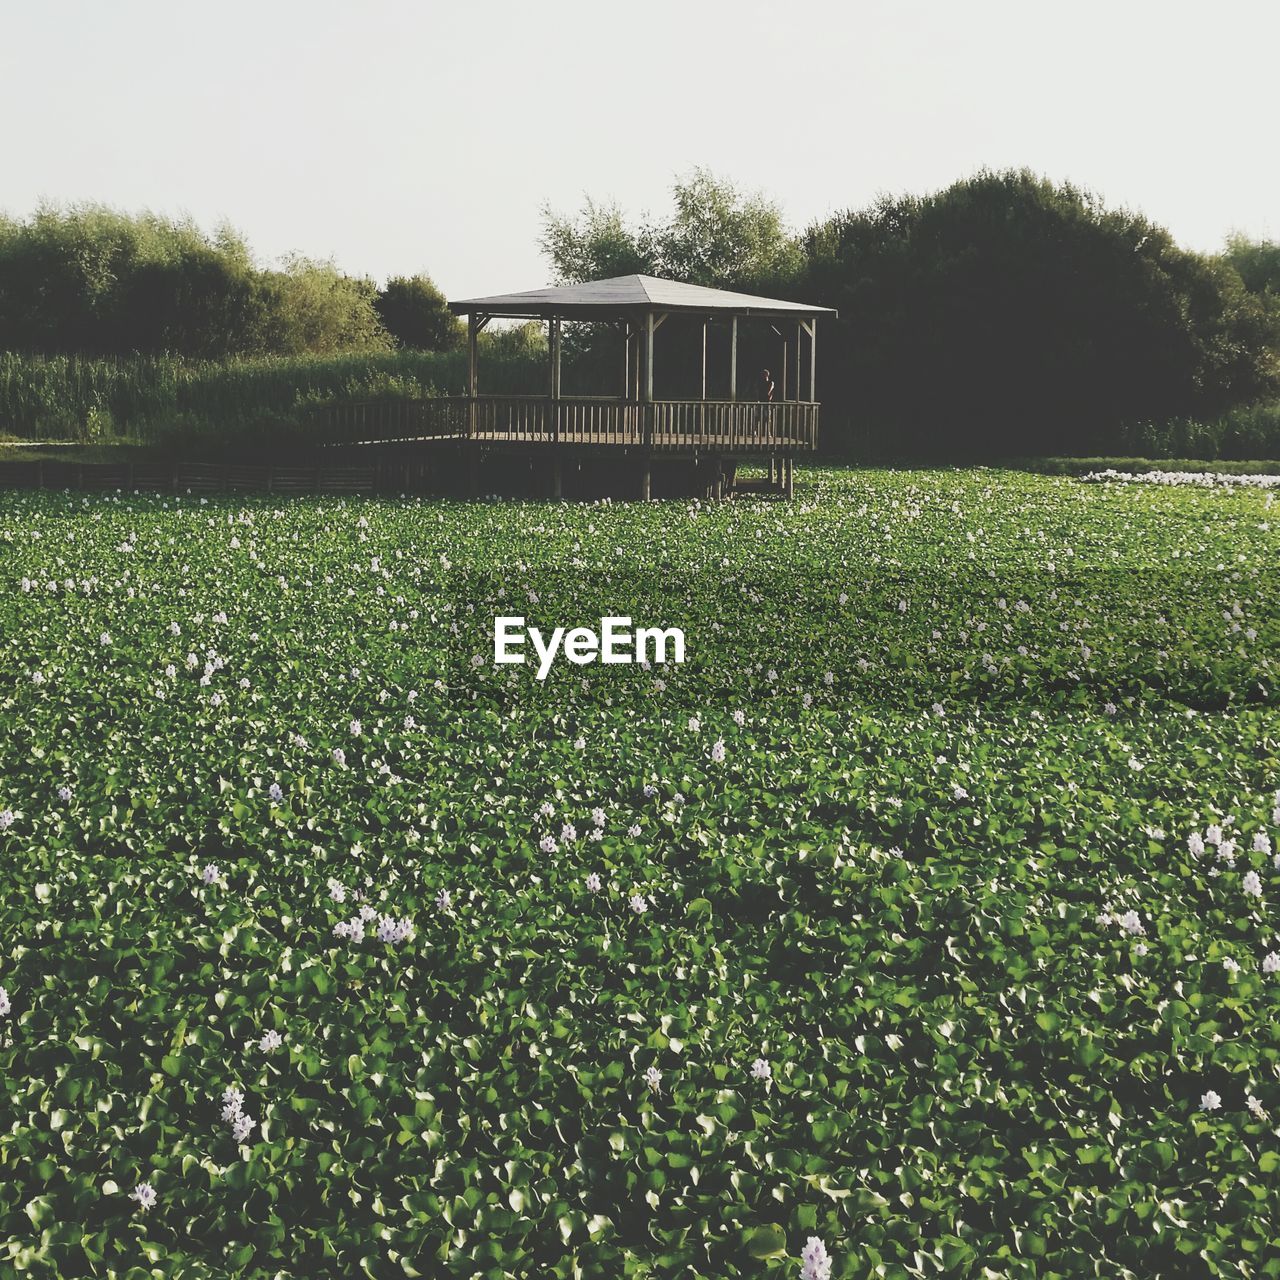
(735, 424)
(730, 425)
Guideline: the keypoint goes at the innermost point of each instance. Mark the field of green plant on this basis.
(923, 923)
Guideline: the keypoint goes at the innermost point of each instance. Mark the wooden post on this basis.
(648, 357)
(626, 359)
(784, 368)
(473, 373)
(704, 359)
(797, 361)
(553, 343)
(646, 460)
(813, 360)
(733, 359)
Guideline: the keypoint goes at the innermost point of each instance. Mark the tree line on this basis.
(1006, 314)
(91, 281)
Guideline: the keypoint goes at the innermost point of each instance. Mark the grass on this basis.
(160, 398)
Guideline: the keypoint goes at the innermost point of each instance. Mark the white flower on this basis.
(761, 1070)
(105, 639)
(637, 904)
(1261, 842)
(270, 1041)
(717, 751)
(1255, 1106)
(546, 809)
(694, 724)
(817, 1263)
(145, 1194)
(739, 718)
(1271, 962)
(593, 883)
(1195, 844)
(548, 844)
(1130, 922)
(633, 831)
(210, 873)
(653, 1078)
(958, 792)
(1230, 964)
(241, 1127)
(568, 832)
(579, 743)
(1251, 884)
(64, 794)
(443, 900)
(1213, 835)
(339, 756)
(1210, 1101)
(356, 728)
(274, 793)
(5, 1006)
(597, 818)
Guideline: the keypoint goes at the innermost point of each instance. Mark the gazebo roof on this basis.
(623, 295)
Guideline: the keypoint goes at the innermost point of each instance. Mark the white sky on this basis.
(408, 135)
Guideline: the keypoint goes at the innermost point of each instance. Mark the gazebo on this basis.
(705, 438)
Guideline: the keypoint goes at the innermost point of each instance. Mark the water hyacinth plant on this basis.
(921, 923)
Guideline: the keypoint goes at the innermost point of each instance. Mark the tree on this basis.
(1258, 265)
(726, 239)
(717, 236)
(416, 314)
(91, 280)
(596, 245)
(1009, 315)
(314, 307)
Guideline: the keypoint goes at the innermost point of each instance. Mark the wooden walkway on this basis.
(729, 427)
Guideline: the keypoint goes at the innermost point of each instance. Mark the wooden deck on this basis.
(729, 427)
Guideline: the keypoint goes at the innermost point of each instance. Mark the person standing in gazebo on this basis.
(764, 417)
